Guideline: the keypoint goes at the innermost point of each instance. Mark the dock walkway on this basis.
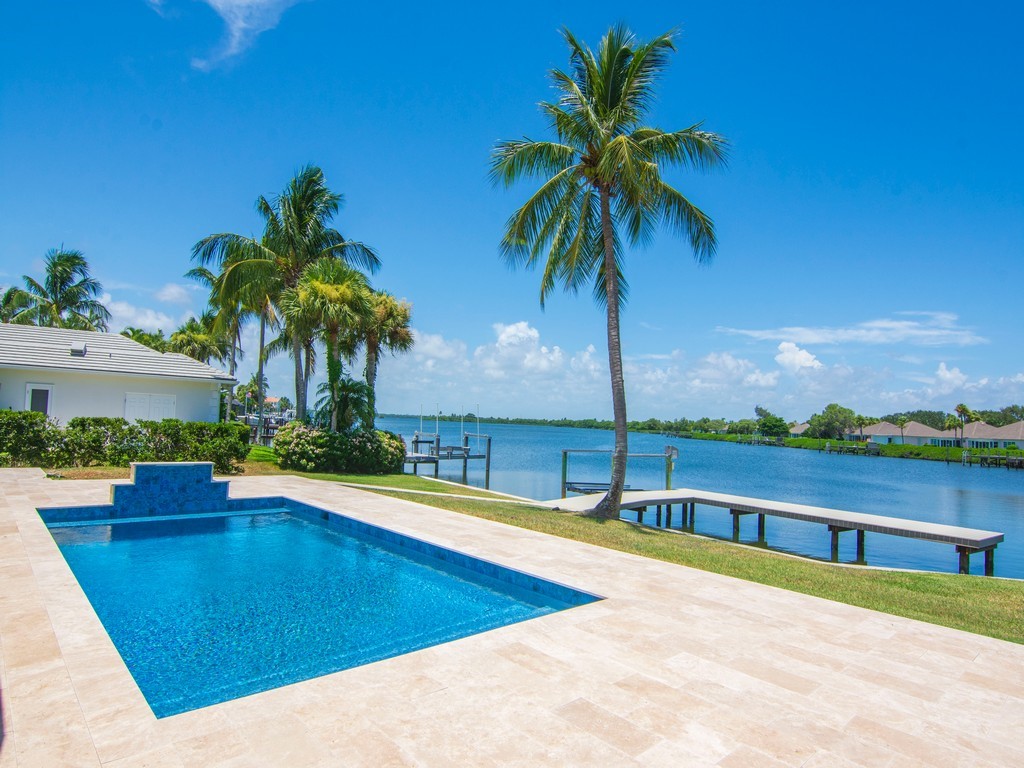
(966, 540)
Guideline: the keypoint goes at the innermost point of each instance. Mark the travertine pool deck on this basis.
(676, 667)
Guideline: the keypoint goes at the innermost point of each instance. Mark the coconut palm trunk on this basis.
(231, 389)
(259, 374)
(609, 505)
(300, 378)
(371, 381)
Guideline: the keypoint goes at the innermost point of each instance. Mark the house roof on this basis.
(878, 428)
(30, 347)
(1013, 431)
(799, 429)
(917, 429)
(976, 430)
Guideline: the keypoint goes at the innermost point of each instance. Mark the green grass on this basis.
(985, 606)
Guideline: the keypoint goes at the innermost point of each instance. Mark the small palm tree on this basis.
(330, 298)
(342, 404)
(385, 328)
(966, 415)
(602, 183)
(901, 422)
(68, 297)
(951, 424)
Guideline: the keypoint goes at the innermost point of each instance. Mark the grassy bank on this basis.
(895, 451)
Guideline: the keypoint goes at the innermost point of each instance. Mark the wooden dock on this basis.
(436, 453)
(966, 540)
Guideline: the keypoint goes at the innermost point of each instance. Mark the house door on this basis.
(38, 398)
(161, 407)
(150, 407)
(136, 407)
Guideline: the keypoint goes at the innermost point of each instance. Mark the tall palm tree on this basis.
(68, 297)
(602, 181)
(330, 297)
(296, 233)
(384, 329)
(230, 315)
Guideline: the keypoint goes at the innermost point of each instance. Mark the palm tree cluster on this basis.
(68, 297)
(601, 185)
(302, 280)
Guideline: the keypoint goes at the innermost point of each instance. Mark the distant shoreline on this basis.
(895, 451)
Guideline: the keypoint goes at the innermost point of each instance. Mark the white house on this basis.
(798, 429)
(66, 373)
(978, 434)
(913, 433)
(1011, 436)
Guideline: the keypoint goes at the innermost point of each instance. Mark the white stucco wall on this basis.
(89, 394)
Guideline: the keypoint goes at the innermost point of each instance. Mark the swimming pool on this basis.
(208, 607)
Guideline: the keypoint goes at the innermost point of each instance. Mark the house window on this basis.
(39, 397)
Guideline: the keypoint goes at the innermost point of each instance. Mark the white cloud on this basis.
(947, 380)
(245, 21)
(759, 379)
(123, 314)
(793, 359)
(172, 293)
(933, 330)
(517, 351)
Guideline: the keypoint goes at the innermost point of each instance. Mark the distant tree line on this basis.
(834, 422)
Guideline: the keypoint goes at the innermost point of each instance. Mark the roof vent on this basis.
(78, 348)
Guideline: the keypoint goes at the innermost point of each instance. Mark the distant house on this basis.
(886, 433)
(1011, 436)
(798, 430)
(66, 373)
(880, 429)
(978, 434)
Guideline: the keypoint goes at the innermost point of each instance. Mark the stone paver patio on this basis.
(676, 667)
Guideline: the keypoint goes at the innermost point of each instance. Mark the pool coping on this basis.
(586, 685)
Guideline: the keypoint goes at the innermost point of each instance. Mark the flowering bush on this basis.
(368, 452)
(301, 447)
(371, 452)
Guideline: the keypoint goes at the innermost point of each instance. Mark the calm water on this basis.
(527, 461)
(207, 610)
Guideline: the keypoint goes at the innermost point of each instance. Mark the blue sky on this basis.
(871, 221)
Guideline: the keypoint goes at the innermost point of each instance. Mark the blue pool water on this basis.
(208, 608)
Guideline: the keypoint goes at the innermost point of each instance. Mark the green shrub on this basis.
(364, 452)
(24, 436)
(226, 445)
(27, 438)
(108, 440)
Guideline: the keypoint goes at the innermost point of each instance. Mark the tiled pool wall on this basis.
(174, 489)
